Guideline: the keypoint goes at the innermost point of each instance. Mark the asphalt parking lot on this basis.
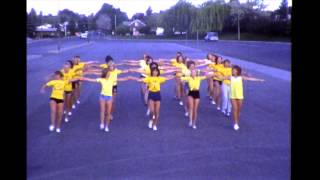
(259, 150)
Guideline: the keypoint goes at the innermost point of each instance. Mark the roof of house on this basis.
(137, 22)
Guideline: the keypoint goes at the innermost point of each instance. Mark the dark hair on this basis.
(209, 54)
(183, 60)
(226, 61)
(59, 73)
(104, 72)
(149, 59)
(238, 68)
(108, 59)
(77, 57)
(152, 64)
(155, 69)
(189, 63)
(179, 52)
(71, 63)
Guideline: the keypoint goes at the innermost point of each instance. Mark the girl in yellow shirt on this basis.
(105, 100)
(56, 99)
(78, 68)
(179, 63)
(225, 88)
(194, 82)
(236, 92)
(68, 74)
(217, 82)
(154, 97)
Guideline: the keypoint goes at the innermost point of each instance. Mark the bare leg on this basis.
(190, 102)
(235, 110)
(68, 101)
(102, 111)
(239, 102)
(195, 110)
(157, 113)
(108, 109)
(210, 84)
(53, 109)
(151, 108)
(113, 103)
(59, 114)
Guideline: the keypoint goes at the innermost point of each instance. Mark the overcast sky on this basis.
(129, 6)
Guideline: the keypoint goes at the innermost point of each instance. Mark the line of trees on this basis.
(217, 16)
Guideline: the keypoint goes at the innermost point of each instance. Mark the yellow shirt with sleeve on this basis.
(194, 83)
(226, 72)
(67, 76)
(236, 87)
(217, 67)
(103, 66)
(57, 88)
(114, 75)
(78, 69)
(153, 83)
(106, 86)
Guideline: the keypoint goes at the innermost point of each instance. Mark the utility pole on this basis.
(115, 23)
(238, 25)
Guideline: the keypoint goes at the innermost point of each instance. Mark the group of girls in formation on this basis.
(225, 88)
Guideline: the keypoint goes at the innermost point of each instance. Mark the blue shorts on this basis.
(106, 98)
(154, 96)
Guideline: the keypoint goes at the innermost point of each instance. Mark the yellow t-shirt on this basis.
(154, 83)
(67, 76)
(217, 67)
(57, 88)
(106, 86)
(181, 66)
(236, 88)
(194, 83)
(78, 69)
(226, 72)
(103, 65)
(114, 75)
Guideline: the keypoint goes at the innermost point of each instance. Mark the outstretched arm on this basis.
(252, 78)
(87, 79)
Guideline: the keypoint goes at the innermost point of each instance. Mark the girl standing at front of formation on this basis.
(56, 99)
(105, 100)
(236, 92)
(154, 97)
(194, 82)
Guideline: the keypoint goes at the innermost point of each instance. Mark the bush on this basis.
(122, 29)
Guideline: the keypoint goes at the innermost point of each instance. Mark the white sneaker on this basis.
(153, 117)
(190, 123)
(66, 119)
(236, 127)
(78, 101)
(181, 103)
(101, 126)
(69, 113)
(51, 128)
(155, 128)
(58, 130)
(73, 106)
(213, 102)
(218, 108)
(194, 127)
(111, 117)
(223, 112)
(106, 129)
(150, 124)
(148, 112)
(186, 114)
(228, 114)
(64, 112)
